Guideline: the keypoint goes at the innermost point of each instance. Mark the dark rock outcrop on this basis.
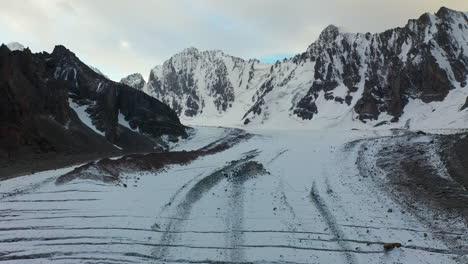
(39, 119)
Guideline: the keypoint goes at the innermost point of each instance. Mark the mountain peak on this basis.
(329, 33)
(445, 13)
(15, 46)
(134, 80)
(190, 50)
(62, 51)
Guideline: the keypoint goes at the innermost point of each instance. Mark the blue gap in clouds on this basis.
(274, 57)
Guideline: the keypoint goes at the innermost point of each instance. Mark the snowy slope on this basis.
(84, 117)
(224, 209)
(342, 80)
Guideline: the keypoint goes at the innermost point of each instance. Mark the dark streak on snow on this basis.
(332, 224)
(235, 171)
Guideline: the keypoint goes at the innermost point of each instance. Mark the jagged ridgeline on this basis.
(367, 77)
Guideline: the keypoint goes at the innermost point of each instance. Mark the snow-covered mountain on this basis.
(403, 76)
(15, 46)
(134, 80)
(207, 84)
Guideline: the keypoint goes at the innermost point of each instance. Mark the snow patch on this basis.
(84, 116)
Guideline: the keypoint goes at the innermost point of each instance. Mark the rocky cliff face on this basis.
(54, 103)
(134, 80)
(207, 83)
(425, 59)
(367, 77)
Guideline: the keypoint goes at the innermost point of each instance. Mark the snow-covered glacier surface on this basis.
(277, 197)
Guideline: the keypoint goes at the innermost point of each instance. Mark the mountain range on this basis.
(354, 151)
(54, 105)
(411, 76)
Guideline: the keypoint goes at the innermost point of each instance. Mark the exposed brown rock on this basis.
(390, 246)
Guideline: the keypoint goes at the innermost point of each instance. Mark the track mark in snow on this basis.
(49, 201)
(176, 194)
(27, 189)
(278, 155)
(346, 251)
(405, 229)
(237, 178)
(194, 194)
(332, 224)
(51, 256)
(48, 228)
(71, 217)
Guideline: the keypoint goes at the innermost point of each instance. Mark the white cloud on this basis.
(123, 36)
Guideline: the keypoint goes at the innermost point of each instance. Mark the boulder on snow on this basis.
(390, 246)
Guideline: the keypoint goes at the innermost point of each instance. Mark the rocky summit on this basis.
(134, 80)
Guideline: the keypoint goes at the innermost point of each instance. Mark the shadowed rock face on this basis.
(108, 98)
(36, 116)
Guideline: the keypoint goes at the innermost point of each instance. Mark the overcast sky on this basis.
(125, 36)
